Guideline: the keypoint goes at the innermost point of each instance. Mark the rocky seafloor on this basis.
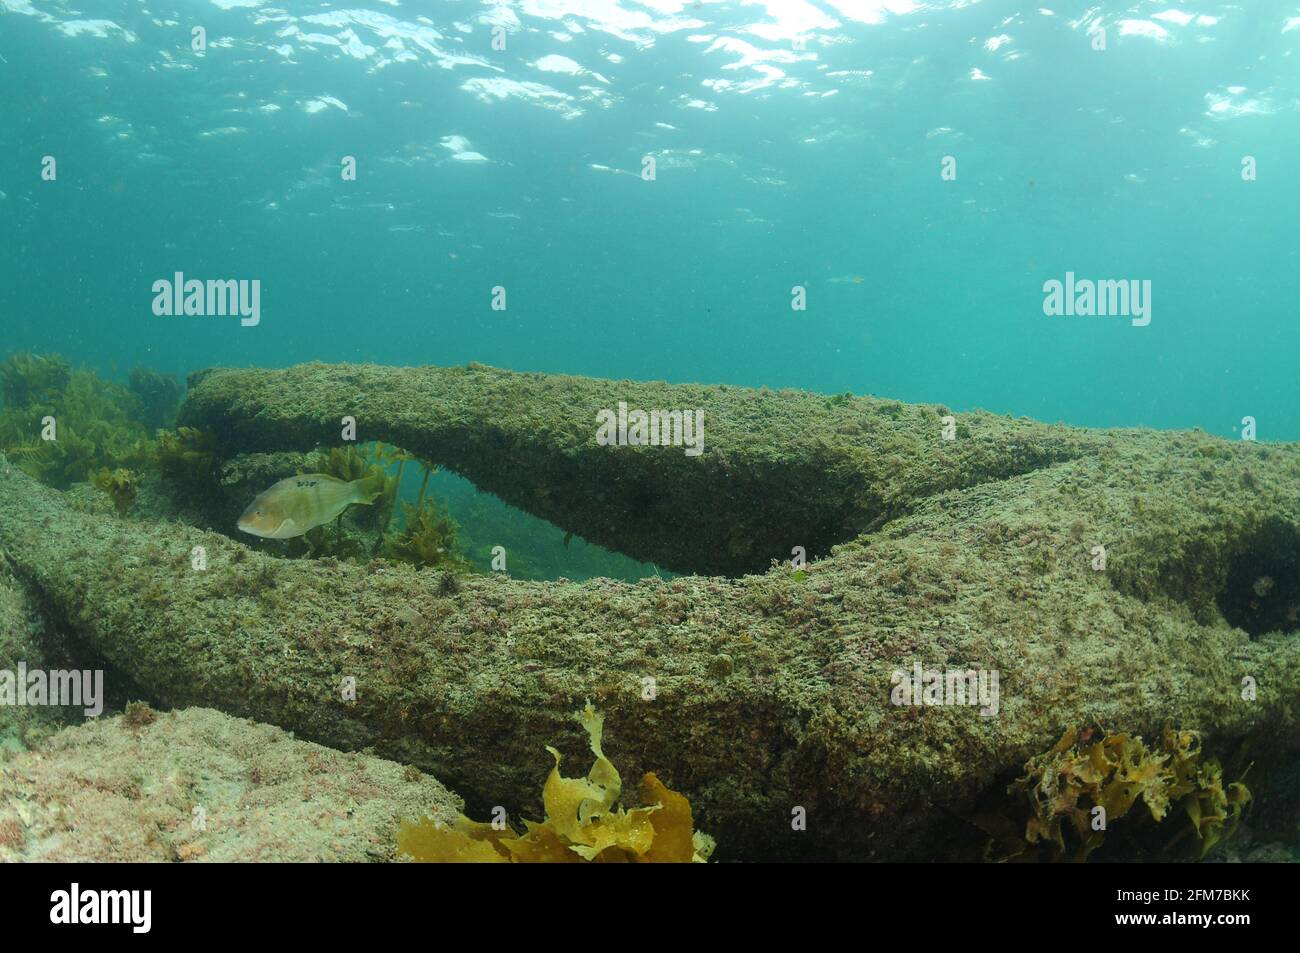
(760, 690)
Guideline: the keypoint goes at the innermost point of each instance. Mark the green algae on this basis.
(62, 436)
(62, 425)
(62, 462)
(27, 378)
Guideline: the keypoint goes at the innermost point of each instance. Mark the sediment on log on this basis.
(770, 692)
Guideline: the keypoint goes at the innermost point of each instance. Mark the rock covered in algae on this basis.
(197, 785)
(1109, 578)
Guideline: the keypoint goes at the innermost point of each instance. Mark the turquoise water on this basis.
(775, 167)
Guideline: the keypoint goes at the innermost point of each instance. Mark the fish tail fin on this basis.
(370, 488)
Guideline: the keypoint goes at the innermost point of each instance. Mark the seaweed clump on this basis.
(1076, 790)
(189, 458)
(138, 715)
(582, 824)
(61, 425)
(121, 485)
(347, 464)
(427, 538)
(27, 378)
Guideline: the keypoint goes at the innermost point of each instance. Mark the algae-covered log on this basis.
(1137, 582)
(197, 785)
(22, 648)
(778, 469)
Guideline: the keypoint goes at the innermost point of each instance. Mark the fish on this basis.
(300, 503)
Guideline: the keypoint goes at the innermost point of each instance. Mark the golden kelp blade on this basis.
(572, 803)
(620, 836)
(673, 825)
(427, 841)
(582, 823)
(603, 774)
(540, 845)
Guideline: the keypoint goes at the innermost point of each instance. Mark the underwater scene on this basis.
(650, 431)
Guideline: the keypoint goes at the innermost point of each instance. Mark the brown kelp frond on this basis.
(121, 485)
(1077, 789)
